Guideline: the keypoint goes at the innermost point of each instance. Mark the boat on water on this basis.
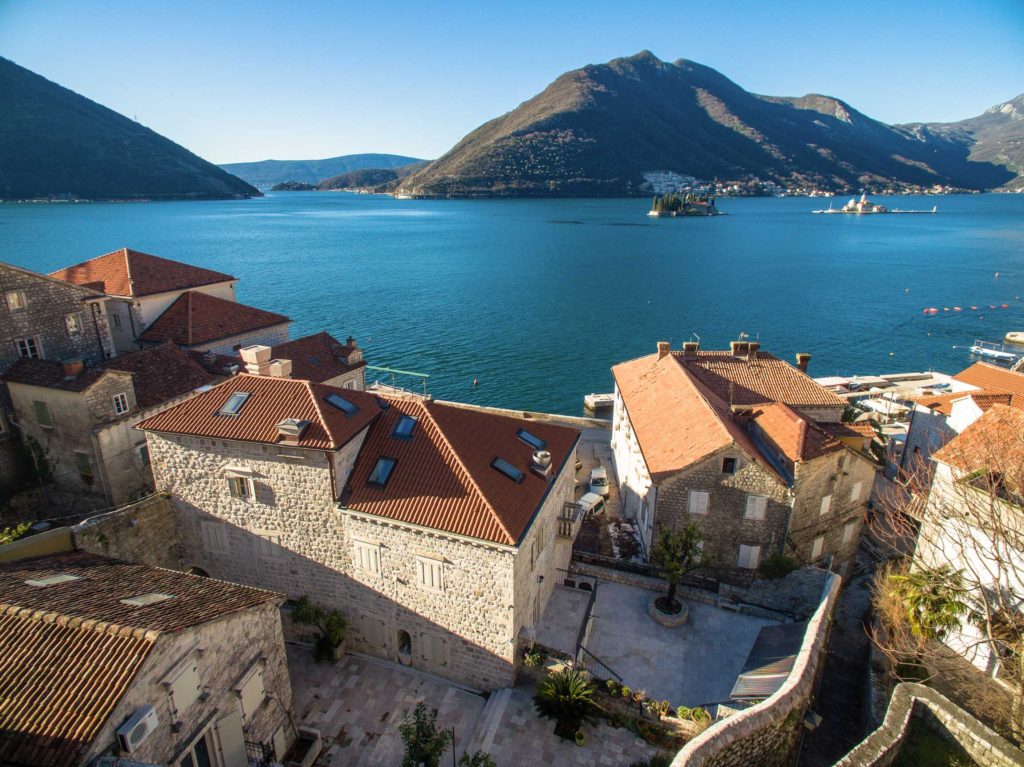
(596, 402)
(994, 351)
(1016, 337)
(864, 206)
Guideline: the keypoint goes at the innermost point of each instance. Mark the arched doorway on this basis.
(404, 641)
(198, 571)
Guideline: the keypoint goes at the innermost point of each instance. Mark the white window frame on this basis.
(25, 352)
(856, 490)
(366, 556)
(848, 530)
(749, 557)
(698, 502)
(430, 574)
(826, 505)
(817, 548)
(236, 485)
(121, 403)
(73, 322)
(16, 300)
(757, 506)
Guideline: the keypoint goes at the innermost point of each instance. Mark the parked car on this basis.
(599, 481)
(591, 503)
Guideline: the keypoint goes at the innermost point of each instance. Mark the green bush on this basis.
(778, 565)
(331, 623)
(567, 696)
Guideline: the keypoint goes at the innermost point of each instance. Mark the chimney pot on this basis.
(738, 348)
(663, 349)
(752, 348)
(279, 368)
(802, 360)
(690, 349)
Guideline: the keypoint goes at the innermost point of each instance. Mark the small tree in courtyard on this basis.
(424, 742)
(567, 696)
(676, 554)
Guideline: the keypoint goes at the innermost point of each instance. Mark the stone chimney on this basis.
(802, 360)
(279, 368)
(752, 348)
(663, 349)
(690, 349)
(72, 368)
(738, 348)
(256, 359)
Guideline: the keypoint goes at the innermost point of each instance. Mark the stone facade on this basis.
(275, 334)
(294, 537)
(223, 652)
(144, 532)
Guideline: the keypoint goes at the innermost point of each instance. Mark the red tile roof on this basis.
(271, 400)
(318, 357)
(993, 443)
(197, 318)
(130, 273)
(984, 398)
(992, 378)
(443, 477)
(799, 438)
(158, 375)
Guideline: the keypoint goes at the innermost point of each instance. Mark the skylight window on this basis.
(234, 404)
(531, 439)
(53, 580)
(404, 427)
(145, 600)
(507, 469)
(382, 472)
(336, 400)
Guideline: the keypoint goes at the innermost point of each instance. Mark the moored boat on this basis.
(993, 351)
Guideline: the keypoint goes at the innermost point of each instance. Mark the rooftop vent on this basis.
(541, 462)
(752, 348)
(802, 360)
(256, 358)
(739, 348)
(144, 600)
(290, 430)
(52, 580)
(279, 368)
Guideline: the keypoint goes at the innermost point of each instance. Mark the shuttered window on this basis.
(250, 691)
(848, 531)
(855, 491)
(698, 502)
(817, 547)
(434, 649)
(215, 537)
(749, 557)
(756, 505)
(431, 573)
(826, 504)
(367, 556)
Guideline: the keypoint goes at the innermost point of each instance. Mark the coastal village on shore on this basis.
(225, 545)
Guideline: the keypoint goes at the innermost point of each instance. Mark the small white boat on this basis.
(597, 402)
(1014, 338)
(993, 351)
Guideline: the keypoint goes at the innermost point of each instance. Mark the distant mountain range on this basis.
(57, 144)
(266, 173)
(595, 131)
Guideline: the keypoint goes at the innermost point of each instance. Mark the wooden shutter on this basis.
(230, 739)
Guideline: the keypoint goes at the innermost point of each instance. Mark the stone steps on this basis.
(490, 721)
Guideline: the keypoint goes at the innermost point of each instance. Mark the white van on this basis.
(591, 503)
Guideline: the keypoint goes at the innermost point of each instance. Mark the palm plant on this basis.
(932, 601)
(567, 696)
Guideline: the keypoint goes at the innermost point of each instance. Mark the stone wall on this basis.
(272, 336)
(765, 734)
(143, 532)
(882, 746)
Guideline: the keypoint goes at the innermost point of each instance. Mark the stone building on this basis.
(140, 287)
(323, 359)
(91, 646)
(746, 446)
(82, 417)
(440, 531)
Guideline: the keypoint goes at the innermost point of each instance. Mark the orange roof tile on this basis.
(994, 442)
(271, 400)
(443, 477)
(799, 438)
(984, 398)
(129, 273)
(318, 357)
(990, 377)
(196, 318)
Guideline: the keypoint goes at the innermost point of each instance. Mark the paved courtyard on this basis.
(693, 664)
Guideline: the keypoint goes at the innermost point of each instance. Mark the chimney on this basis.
(738, 348)
(279, 368)
(256, 359)
(541, 463)
(663, 349)
(690, 349)
(752, 348)
(73, 367)
(802, 360)
(290, 430)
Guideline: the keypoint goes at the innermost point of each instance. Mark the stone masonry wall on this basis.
(143, 532)
(223, 650)
(272, 336)
(764, 735)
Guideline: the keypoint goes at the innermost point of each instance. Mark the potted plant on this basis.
(567, 696)
(626, 692)
(330, 645)
(579, 738)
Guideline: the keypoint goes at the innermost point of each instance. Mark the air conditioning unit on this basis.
(139, 726)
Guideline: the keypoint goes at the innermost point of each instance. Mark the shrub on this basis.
(613, 686)
(533, 657)
(660, 759)
(626, 692)
(424, 742)
(479, 759)
(778, 565)
(331, 623)
(567, 697)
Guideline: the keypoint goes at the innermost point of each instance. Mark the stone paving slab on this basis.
(563, 618)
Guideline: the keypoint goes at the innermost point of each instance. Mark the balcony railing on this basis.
(569, 520)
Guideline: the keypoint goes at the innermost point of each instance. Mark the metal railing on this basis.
(257, 754)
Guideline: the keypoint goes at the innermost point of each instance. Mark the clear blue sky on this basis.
(236, 81)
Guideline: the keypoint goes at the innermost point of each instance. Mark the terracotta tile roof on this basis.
(993, 443)
(94, 597)
(129, 273)
(271, 400)
(737, 381)
(443, 477)
(196, 318)
(799, 438)
(59, 686)
(318, 358)
(984, 398)
(158, 375)
(843, 430)
(677, 421)
(993, 378)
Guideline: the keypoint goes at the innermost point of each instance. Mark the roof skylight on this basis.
(144, 600)
(404, 427)
(336, 400)
(234, 404)
(382, 472)
(507, 469)
(53, 580)
(531, 439)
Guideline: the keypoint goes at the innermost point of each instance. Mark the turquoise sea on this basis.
(538, 298)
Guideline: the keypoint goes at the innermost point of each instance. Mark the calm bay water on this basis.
(537, 299)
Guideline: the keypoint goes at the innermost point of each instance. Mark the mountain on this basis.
(266, 173)
(55, 143)
(369, 178)
(997, 137)
(595, 131)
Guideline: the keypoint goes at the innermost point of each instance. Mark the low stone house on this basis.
(94, 649)
(746, 446)
(439, 530)
(82, 417)
(140, 287)
(321, 358)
